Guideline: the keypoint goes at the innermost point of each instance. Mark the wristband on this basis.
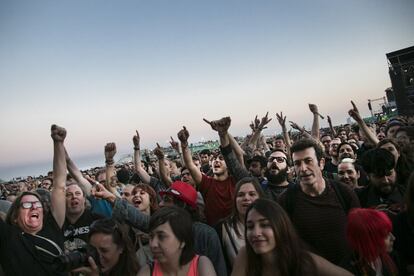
(109, 162)
(136, 148)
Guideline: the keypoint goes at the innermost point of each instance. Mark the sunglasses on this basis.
(277, 158)
(31, 204)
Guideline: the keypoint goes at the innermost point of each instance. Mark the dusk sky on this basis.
(103, 68)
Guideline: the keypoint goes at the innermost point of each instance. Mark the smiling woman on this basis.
(274, 248)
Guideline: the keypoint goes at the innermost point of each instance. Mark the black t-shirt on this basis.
(76, 234)
(26, 254)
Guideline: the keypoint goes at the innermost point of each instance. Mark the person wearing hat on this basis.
(180, 194)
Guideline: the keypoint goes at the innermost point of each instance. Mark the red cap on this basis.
(182, 191)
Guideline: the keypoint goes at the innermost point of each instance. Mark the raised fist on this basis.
(58, 133)
(110, 151)
(183, 136)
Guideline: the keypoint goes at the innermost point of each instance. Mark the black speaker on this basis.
(401, 70)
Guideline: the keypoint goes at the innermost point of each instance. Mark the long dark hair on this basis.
(127, 263)
(234, 218)
(290, 257)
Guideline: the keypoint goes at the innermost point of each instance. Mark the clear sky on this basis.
(105, 68)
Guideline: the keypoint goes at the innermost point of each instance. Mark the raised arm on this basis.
(282, 122)
(122, 210)
(77, 175)
(302, 130)
(233, 164)
(110, 151)
(257, 127)
(176, 146)
(143, 175)
(164, 175)
(58, 194)
(315, 124)
(183, 135)
(354, 113)
(333, 131)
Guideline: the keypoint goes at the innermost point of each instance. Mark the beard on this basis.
(278, 178)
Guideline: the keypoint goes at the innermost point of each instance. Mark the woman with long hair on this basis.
(369, 235)
(274, 248)
(231, 229)
(115, 250)
(171, 243)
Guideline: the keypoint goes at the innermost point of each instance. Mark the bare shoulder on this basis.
(324, 267)
(205, 267)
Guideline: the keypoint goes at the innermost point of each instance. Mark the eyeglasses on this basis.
(31, 204)
(278, 159)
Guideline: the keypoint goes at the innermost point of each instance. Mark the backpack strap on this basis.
(339, 191)
(293, 189)
(291, 198)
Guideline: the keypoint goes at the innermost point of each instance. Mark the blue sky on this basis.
(105, 68)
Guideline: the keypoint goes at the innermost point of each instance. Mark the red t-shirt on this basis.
(218, 197)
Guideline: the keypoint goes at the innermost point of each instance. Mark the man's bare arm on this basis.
(315, 124)
(164, 175)
(143, 175)
(354, 113)
(58, 194)
(77, 175)
(183, 135)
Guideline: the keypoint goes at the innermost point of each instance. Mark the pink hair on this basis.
(366, 232)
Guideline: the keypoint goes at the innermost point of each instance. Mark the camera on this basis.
(78, 258)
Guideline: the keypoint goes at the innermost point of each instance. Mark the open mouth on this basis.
(137, 202)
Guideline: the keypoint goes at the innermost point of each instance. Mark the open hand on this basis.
(281, 119)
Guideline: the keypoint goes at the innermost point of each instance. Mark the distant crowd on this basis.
(324, 201)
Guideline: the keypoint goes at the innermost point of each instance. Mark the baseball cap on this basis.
(182, 191)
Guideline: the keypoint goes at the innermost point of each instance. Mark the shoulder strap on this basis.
(339, 194)
(291, 198)
(230, 237)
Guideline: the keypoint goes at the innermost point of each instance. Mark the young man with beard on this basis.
(346, 150)
(276, 174)
(317, 206)
(217, 191)
(383, 191)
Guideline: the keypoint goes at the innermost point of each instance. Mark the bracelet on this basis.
(136, 148)
(109, 162)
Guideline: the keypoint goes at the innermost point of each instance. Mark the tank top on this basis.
(192, 271)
